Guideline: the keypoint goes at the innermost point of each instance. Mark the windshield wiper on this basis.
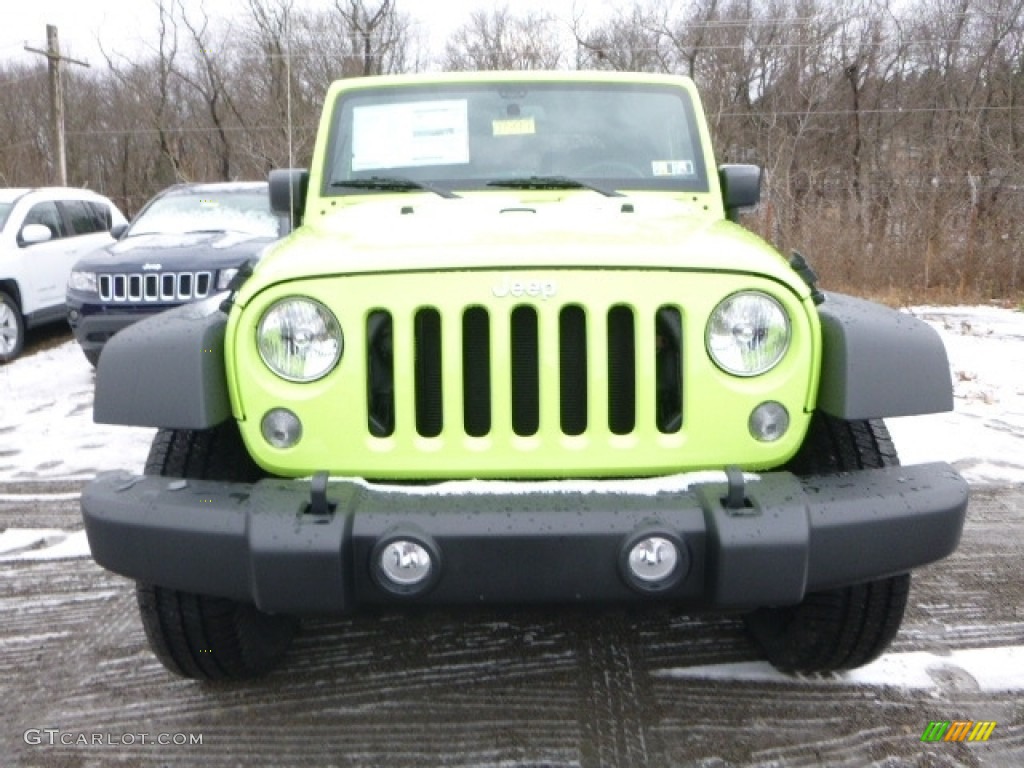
(551, 182)
(393, 184)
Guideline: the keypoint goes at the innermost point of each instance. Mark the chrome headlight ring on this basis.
(748, 333)
(299, 339)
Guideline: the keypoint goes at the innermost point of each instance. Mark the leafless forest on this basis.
(891, 131)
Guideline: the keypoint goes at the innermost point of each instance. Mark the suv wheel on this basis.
(201, 636)
(12, 328)
(847, 627)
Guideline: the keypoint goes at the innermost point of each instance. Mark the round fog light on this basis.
(406, 564)
(281, 428)
(653, 559)
(768, 422)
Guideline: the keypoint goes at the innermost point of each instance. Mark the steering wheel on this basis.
(615, 169)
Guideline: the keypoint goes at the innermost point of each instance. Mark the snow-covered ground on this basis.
(984, 435)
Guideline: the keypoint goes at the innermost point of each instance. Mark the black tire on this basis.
(847, 627)
(12, 328)
(201, 636)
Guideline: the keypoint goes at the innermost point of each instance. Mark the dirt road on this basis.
(80, 687)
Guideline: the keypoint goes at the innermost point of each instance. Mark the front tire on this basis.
(12, 328)
(201, 636)
(847, 627)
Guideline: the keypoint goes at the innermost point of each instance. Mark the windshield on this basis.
(464, 136)
(209, 210)
(5, 210)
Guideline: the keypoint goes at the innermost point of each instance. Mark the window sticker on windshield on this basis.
(673, 168)
(519, 126)
(410, 134)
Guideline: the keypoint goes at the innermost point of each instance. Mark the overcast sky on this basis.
(124, 25)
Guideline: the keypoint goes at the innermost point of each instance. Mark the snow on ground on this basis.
(46, 427)
(984, 435)
(986, 669)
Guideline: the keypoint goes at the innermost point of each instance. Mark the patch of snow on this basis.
(43, 544)
(39, 496)
(984, 669)
(984, 435)
(46, 426)
(641, 486)
(14, 539)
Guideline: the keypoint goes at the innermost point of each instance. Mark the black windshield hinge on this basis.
(244, 273)
(799, 265)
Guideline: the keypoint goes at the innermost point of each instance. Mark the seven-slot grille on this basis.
(634, 358)
(155, 286)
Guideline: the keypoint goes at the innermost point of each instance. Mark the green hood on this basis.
(496, 231)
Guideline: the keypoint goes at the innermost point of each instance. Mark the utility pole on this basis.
(52, 53)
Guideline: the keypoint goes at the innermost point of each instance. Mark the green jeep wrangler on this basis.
(517, 350)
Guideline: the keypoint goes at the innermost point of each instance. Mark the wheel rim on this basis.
(8, 329)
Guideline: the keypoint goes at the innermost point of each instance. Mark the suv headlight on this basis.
(224, 277)
(299, 339)
(82, 281)
(748, 334)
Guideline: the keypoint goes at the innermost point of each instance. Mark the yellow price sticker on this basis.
(519, 126)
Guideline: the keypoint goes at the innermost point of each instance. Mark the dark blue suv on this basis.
(184, 245)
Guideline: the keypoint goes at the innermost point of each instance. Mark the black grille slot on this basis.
(572, 364)
(167, 286)
(151, 284)
(668, 366)
(476, 372)
(203, 283)
(621, 371)
(525, 372)
(380, 374)
(429, 408)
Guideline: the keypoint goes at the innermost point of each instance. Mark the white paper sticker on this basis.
(673, 168)
(411, 134)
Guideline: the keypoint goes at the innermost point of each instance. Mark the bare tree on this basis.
(204, 74)
(499, 39)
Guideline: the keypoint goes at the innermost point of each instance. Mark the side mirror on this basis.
(117, 230)
(34, 233)
(741, 187)
(288, 192)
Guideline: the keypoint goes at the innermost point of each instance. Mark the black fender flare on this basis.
(878, 362)
(166, 371)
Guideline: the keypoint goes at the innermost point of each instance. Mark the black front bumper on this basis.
(266, 544)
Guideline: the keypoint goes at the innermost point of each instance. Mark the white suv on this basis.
(43, 232)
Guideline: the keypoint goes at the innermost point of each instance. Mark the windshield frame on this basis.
(450, 91)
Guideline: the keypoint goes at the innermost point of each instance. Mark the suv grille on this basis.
(520, 353)
(155, 286)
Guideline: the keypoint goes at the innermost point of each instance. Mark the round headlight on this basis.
(299, 339)
(748, 334)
